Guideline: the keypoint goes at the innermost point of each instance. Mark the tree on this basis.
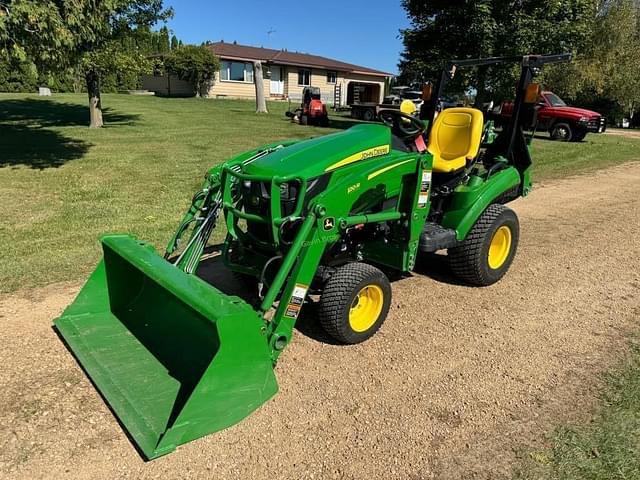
(165, 43)
(58, 34)
(619, 57)
(17, 75)
(97, 64)
(604, 76)
(174, 42)
(442, 30)
(194, 64)
(258, 80)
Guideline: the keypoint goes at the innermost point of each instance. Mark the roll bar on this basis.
(512, 136)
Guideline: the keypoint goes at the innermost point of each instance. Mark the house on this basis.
(285, 75)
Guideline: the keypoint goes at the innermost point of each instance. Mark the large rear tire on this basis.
(486, 254)
(354, 303)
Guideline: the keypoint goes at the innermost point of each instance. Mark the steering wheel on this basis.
(402, 125)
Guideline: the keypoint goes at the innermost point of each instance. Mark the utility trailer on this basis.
(368, 111)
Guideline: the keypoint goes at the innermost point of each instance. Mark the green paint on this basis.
(174, 357)
(468, 202)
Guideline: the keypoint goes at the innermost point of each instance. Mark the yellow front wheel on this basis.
(354, 302)
(365, 308)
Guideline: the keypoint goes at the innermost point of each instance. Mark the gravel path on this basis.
(632, 133)
(455, 385)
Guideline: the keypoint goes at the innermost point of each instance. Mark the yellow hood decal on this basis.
(363, 155)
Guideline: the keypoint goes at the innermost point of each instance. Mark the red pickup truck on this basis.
(568, 124)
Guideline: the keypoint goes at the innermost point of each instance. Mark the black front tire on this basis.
(562, 132)
(471, 261)
(579, 136)
(341, 298)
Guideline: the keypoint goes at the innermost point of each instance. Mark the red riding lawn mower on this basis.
(312, 111)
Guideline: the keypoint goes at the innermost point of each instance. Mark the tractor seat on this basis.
(455, 138)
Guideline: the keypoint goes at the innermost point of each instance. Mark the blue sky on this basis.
(364, 32)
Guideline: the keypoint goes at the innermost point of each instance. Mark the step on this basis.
(435, 237)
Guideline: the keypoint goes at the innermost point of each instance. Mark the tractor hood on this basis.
(313, 157)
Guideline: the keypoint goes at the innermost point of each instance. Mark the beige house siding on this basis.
(234, 89)
(318, 79)
(231, 89)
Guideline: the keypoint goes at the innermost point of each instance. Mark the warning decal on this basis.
(426, 181)
(296, 301)
(423, 198)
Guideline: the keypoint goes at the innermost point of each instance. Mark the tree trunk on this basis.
(203, 88)
(481, 86)
(258, 80)
(95, 103)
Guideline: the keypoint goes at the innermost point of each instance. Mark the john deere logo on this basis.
(329, 223)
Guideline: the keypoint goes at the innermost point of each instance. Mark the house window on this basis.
(332, 77)
(236, 72)
(304, 77)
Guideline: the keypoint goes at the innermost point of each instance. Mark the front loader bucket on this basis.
(174, 358)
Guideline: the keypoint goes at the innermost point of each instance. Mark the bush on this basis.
(17, 76)
(197, 65)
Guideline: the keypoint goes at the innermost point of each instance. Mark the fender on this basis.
(468, 202)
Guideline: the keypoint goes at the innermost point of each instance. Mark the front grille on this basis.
(597, 124)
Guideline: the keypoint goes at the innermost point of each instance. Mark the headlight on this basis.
(584, 119)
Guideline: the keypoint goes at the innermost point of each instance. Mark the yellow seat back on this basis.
(408, 107)
(455, 138)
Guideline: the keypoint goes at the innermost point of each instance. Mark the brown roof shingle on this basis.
(244, 52)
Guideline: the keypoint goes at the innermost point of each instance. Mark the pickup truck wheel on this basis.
(579, 136)
(562, 132)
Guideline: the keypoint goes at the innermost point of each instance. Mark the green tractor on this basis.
(176, 359)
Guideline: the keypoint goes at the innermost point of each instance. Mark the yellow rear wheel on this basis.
(486, 253)
(499, 247)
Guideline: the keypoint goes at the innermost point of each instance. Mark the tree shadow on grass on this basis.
(37, 148)
(26, 140)
(49, 113)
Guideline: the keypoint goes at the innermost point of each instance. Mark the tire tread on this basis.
(467, 259)
(337, 292)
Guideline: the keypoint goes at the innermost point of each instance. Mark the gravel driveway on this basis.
(458, 382)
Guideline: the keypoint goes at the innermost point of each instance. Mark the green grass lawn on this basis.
(556, 159)
(62, 185)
